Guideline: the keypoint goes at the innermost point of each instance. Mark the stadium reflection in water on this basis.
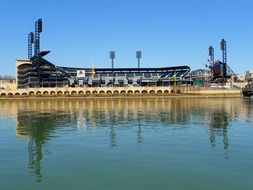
(40, 120)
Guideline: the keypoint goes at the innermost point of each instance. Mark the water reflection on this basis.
(219, 126)
(39, 127)
(39, 120)
(35, 156)
(139, 131)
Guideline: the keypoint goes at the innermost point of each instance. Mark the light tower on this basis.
(211, 54)
(30, 43)
(36, 63)
(38, 30)
(112, 57)
(138, 56)
(223, 47)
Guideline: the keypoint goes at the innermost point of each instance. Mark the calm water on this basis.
(114, 144)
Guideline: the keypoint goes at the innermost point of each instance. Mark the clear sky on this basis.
(80, 33)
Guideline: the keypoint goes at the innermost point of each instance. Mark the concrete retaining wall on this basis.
(112, 91)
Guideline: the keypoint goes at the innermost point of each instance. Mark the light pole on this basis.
(112, 57)
(138, 56)
(211, 54)
(223, 47)
(30, 43)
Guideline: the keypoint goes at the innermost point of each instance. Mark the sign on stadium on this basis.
(80, 73)
(219, 70)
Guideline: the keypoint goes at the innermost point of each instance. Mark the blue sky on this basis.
(80, 33)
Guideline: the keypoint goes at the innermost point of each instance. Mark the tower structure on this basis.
(138, 56)
(112, 57)
(211, 54)
(30, 43)
(38, 30)
(223, 47)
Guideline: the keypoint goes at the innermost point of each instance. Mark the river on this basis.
(126, 143)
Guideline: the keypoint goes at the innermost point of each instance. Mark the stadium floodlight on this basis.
(138, 56)
(112, 57)
(31, 37)
(39, 22)
(112, 54)
(223, 44)
(211, 53)
(30, 42)
(223, 47)
(38, 30)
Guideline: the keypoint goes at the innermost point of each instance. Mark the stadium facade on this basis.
(47, 74)
(39, 72)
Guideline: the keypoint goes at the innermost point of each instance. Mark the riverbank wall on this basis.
(119, 91)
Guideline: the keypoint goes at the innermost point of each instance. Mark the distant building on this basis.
(248, 75)
(7, 84)
(200, 76)
(241, 77)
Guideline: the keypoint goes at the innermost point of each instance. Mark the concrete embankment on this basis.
(118, 91)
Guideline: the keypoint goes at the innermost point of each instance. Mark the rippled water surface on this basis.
(133, 143)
